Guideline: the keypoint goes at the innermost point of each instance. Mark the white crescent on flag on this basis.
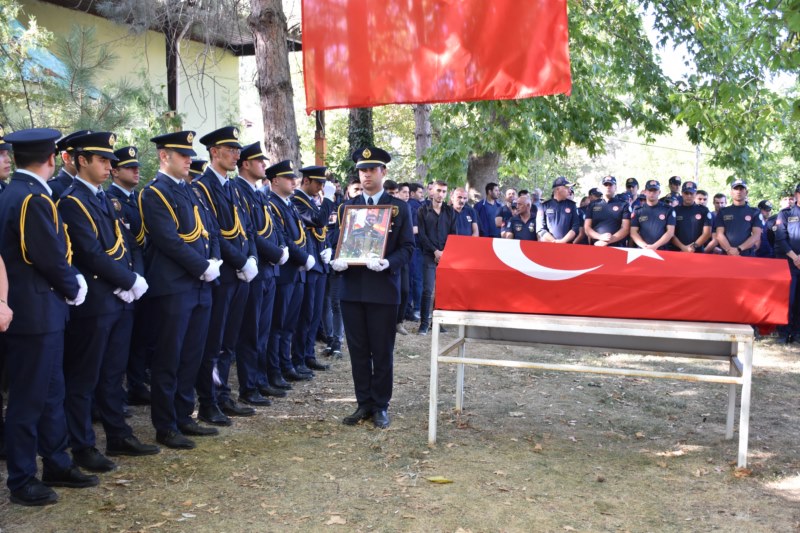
(509, 251)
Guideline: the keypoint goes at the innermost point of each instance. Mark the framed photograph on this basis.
(363, 233)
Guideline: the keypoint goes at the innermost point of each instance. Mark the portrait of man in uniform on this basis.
(364, 235)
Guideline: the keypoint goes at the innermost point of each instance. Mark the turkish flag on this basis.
(363, 53)
(512, 276)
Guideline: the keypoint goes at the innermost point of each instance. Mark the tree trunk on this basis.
(360, 131)
(422, 135)
(481, 169)
(274, 84)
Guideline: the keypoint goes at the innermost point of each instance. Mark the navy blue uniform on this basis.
(486, 214)
(229, 297)
(652, 221)
(739, 221)
(607, 217)
(290, 285)
(369, 302)
(521, 230)
(59, 183)
(766, 247)
(35, 248)
(251, 347)
(558, 218)
(787, 239)
(464, 221)
(98, 335)
(690, 222)
(315, 221)
(179, 247)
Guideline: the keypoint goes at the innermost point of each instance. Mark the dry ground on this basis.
(531, 452)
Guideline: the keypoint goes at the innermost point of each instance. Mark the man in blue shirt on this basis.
(467, 221)
(608, 220)
(652, 224)
(692, 222)
(739, 226)
(558, 220)
(487, 210)
(522, 226)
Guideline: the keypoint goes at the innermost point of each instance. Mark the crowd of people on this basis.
(115, 294)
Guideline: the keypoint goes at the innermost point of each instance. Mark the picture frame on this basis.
(363, 233)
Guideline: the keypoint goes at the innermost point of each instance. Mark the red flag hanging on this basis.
(557, 279)
(362, 53)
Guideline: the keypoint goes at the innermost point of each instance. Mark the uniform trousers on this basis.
(265, 367)
(309, 319)
(95, 360)
(227, 310)
(35, 415)
(247, 342)
(794, 300)
(370, 329)
(141, 352)
(285, 313)
(182, 321)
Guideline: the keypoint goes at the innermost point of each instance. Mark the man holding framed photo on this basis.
(371, 295)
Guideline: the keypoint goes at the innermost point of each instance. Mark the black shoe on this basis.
(34, 493)
(269, 390)
(139, 397)
(174, 440)
(71, 477)
(337, 354)
(302, 369)
(381, 419)
(279, 384)
(255, 398)
(362, 413)
(195, 429)
(230, 408)
(126, 412)
(423, 329)
(313, 364)
(92, 460)
(328, 351)
(212, 415)
(130, 446)
(291, 375)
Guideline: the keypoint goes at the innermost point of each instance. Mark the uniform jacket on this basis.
(59, 183)
(268, 239)
(361, 284)
(287, 219)
(100, 249)
(315, 221)
(128, 211)
(40, 275)
(180, 243)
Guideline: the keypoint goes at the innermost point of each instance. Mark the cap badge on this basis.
(291, 165)
(366, 153)
(190, 137)
(2, 133)
(132, 151)
(112, 139)
(235, 133)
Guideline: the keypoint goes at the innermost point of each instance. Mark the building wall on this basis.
(206, 101)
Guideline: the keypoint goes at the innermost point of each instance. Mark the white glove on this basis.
(339, 265)
(212, 272)
(82, 290)
(310, 262)
(329, 190)
(250, 269)
(285, 256)
(378, 265)
(325, 255)
(125, 296)
(241, 276)
(140, 287)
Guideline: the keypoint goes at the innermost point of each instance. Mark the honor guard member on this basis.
(766, 247)
(673, 198)
(291, 281)
(467, 221)
(692, 222)
(522, 226)
(36, 250)
(98, 334)
(66, 175)
(739, 225)
(239, 267)
(608, 220)
(197, 168)
(183, 262)
(652, 224)
(251, 347)
(370, 296)
(315, 220)
(787, 244)
(558, 220)
(124, 199)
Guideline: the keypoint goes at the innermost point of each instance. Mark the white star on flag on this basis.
(636, 253)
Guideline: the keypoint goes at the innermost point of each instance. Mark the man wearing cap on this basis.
(38, 258)
(767, 242)
(98, 335)
(371, 294)
(251, 346)
(652, 224)
(632, 188)
(239, 267)
(66, 175)
(182, 264)
(315, 221)
(125, 200)
(290, 285)
(692, 222)
(608, 220)
(558, 221)
(673, 198)
(787, 244)
(739, 227)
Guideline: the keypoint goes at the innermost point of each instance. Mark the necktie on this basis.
(101, 195)
(369, 201)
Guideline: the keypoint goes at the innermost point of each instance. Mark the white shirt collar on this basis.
(248, 183)
(93, 188)
(38, 178)
(375, 197)
(128, 194)
(176, 180)
(222, 179)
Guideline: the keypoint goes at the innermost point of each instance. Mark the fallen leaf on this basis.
(500, 473)
(639, 435)
(336, 520)
(516, 414)
(156, 525)
(297, 459)
(662, 464)
(188, 515)
(439, 479)
(537, 448)
(742, 472)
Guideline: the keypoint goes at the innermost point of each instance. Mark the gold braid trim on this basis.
(302, 240)
(198, 231)
(22, 218)
(268, 226)
(118, 249)
(320, 236)
(237, 229)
